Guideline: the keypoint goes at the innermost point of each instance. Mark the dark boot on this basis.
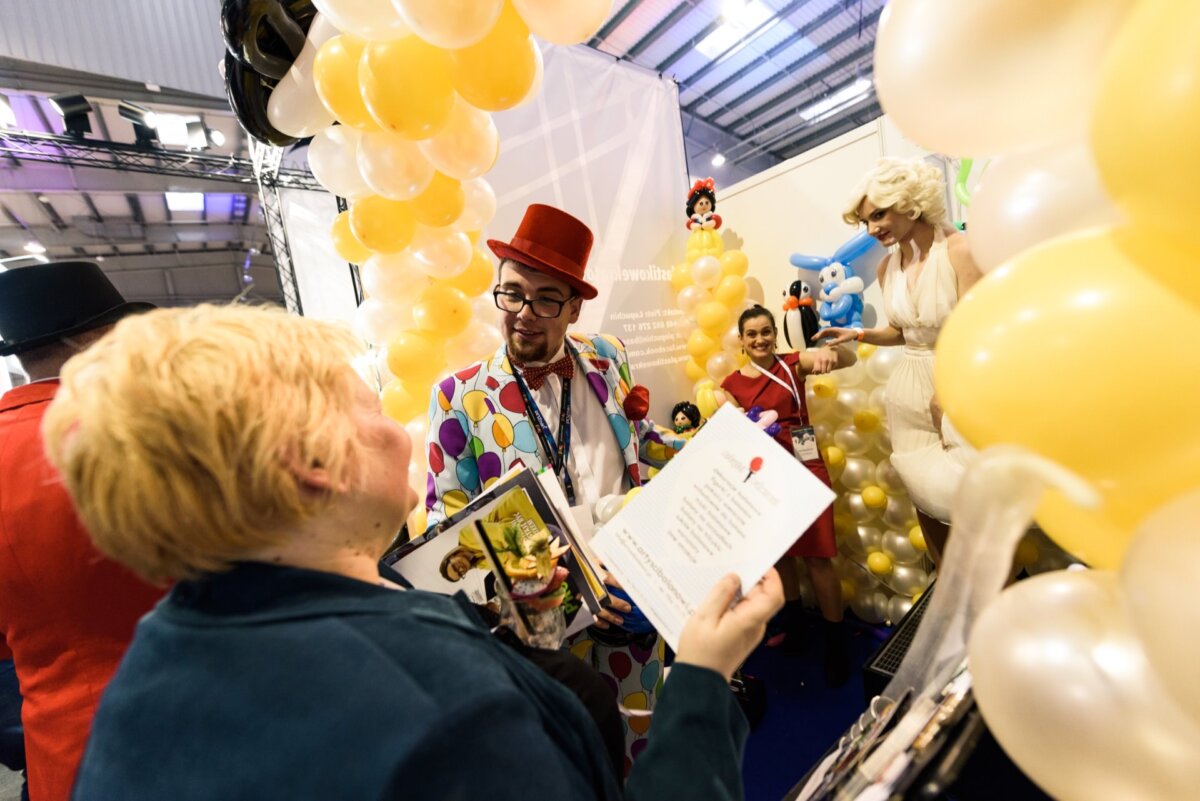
(780, 627)
(837, 653)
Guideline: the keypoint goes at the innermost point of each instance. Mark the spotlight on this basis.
(143, 120)
(200, 137)
(74, 109)
(216, 137)
(718, 160)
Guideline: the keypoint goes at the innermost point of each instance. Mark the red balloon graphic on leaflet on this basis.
(755, 465)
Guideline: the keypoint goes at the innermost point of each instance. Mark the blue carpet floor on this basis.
(804, 715)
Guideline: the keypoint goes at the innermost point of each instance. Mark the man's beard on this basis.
(524, 352)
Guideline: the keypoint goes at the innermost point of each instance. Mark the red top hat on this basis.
(552, 242)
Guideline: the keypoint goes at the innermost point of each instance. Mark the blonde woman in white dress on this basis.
(903, 204)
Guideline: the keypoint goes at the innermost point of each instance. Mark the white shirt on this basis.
(595, 464)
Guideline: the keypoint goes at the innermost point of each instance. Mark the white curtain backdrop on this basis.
(603, 142)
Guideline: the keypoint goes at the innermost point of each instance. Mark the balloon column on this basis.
(1071, 219)
(398, 97)
(710, 287)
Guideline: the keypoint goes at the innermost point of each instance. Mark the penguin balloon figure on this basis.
(800, 323)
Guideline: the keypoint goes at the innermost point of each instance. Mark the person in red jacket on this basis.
(66, 613)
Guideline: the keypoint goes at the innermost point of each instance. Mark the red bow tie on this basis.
(535, 376)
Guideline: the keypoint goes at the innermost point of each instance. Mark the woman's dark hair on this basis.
(699, 193)
(691, 410)
(750, 314)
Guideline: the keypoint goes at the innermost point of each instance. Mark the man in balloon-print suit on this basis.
(563, 401)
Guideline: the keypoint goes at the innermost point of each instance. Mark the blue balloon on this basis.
(861, 244)
(799, 260)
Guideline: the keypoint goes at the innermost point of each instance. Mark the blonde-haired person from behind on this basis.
(929, 268)
(235, 451)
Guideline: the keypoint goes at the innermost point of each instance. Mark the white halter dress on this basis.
(931, 463)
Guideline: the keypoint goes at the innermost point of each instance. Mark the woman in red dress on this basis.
(775, 382)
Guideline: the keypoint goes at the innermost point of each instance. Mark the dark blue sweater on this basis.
(269, 682)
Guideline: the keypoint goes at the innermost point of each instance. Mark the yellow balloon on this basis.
(695, 371)
(681, 276)
(1027, 552)
(418, 520)
(406, 86)
(415, 357)
(442, 310)
(441, 203)
(401, 403)
(502, 431)
(335, 76)
(707, 242)
(1146, 121)
(712, 317)
(734, 262)
(345, 243)
(874, 498)
(864, 351)
(629, 496)
(496, 73)
(867, 420)
(700, 345)
(475, 405)
(706, 402)
(917, 538)
(879, 563)
(731, 291)
(1029, 358)
(824, 386)
(477, 278)
(834, 456)
(848, 590)
(382, 225)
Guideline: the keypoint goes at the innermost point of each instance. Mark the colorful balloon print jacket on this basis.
(479, 428)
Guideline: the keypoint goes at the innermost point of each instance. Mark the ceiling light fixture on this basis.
(836, 101)
(216, 137)
(185, 201)
(8, 118)
(35, 248)
(144, 122)
(74, 109)
(741, 19)
(718, 160)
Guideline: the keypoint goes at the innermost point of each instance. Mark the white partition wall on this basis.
(796, 207)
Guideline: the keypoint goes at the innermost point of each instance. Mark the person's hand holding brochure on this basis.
(731, 501)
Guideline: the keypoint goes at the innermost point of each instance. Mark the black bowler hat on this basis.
(46, 302)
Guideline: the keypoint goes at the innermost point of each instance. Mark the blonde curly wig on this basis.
(913, 187)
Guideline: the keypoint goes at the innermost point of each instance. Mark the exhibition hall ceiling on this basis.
(760, 81)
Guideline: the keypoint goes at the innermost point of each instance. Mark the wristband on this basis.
(861, 335)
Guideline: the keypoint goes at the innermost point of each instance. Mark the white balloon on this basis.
(690, 297)
(852, 442)
(859, 510)
(898, 607)
(858, 473)
(607, 508)
(479, 341)
(900, 514)
(1029, 198)
(1067, 690)
(393, 166)
(853, 375)
(373, 20)
(294, 108)
(882, 362)
(1038, 60)
(900, 548)
(466, 146)
(394, 277)
(479, 205)
(706, 272)
(450, 24)
(908, 579)
(378, 321)
(333, 159)
(440, 252)
(563, 23)
(1159, 579)
(887, 477)
(877, 401)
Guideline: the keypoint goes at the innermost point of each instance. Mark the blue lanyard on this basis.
(556, 449)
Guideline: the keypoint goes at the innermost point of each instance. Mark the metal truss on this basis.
(30, 146)
(266, 160)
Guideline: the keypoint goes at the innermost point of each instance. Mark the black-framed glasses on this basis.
(514, 302)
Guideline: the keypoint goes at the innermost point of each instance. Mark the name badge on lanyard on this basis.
(804, 438)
